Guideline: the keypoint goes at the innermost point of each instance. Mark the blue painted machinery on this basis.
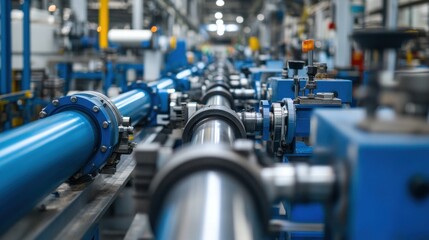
(381, 152)
(216, 171)
(10, 97)
(366, 178)
(386, 196)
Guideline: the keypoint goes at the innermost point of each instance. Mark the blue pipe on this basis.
(184, 73)
(36, 158)
(163, 84)
(135, 104)
(6, 47)
(26, 73)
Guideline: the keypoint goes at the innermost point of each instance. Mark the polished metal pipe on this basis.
(213, 131)
(243, 93)
(218, 100)
(299, 182)
(252, 121)
(209, 205)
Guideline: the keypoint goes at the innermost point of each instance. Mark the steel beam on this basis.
(6, 47)
(26, 74)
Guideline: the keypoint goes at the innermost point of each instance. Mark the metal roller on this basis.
(209, 203)
(218, 100)
(213, 131)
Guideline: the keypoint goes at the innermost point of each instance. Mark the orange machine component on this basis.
(307, 45)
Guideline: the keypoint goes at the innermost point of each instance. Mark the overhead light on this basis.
(221, 28)
(219, 22)
(247, 30)
(239, 19)
(212, 28)
(231, 28)
(220, 33)
(220, 3)
(260, 17)
(52, 8)
(218, 15)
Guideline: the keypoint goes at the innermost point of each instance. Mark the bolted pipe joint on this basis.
(111, 128)
(299, 182)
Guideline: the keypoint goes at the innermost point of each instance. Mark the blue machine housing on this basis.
(300, 115)
(176, 58)
(284, 88)
(260, 75)
(381, 166)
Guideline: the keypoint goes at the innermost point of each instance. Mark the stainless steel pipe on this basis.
(218, 100)
(209, 205)
(213, 131)
(299, 182)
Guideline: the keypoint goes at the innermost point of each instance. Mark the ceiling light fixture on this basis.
(218, 15)
(220, 3)
(239, 19)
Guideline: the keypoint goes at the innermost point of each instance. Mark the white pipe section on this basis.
(138, 14)
(343, 21)
(129, 37)
(80, 10)
(391, 23)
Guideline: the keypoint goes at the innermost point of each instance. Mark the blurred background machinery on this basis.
(214, 119)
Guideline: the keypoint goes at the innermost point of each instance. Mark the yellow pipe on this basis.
(103, 23)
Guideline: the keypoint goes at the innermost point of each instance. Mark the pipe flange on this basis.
(277, 123)
(104, 118)
(216, 91)
(219, 112)
(222, 84)
(208, 157)
(105, 100)
(265, 110)
(291, 120)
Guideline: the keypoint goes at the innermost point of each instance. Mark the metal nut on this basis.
(42, 114)
(55, 102)
(95, 109)
(105, 124)
(73, 99)
(103, 148)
